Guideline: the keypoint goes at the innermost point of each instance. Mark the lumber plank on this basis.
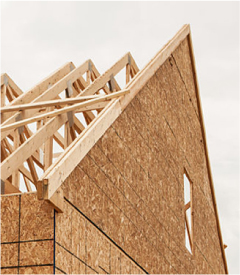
(127, 73)
(48, 149)
(56, 155)
(150, 69)
(116, 110)
(31, 145)
(95, 74)
(9, 94)
(26, 173)
(31, 94)
(133, 64)
(81, 82)
(43, 104)
(27, 148)
(80, 147)
(49, 94)
(13, 93)
(80, 107)
(27, 184)
(15, 175)
(22, 168)
(104, 78)
(44, 84)
(3, 94)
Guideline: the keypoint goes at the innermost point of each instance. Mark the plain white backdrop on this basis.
(39, 37)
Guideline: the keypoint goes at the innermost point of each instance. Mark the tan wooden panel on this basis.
(37, 218)
(36, 253)
(63, 259)
(9, 254)
(9, 218)
(36, 270)
(9, 271)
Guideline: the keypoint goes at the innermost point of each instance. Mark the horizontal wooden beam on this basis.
(45, 104)
(38, 89)
(49, 94)
(80, 107)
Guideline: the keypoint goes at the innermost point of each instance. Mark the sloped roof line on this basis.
(55, 176)
(28, 147)
(31, 94)
(50, 181)
(49, 184)
(206, 151)
(7, 81)
(82, 146)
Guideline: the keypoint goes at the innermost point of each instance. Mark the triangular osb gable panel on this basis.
(124, 209)
(131, 185)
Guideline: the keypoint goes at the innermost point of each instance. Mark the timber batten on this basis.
(118, 180)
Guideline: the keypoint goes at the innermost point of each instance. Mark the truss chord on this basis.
(25, 109)
(50, 93)
(79, 106)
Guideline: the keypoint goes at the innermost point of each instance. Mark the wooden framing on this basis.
(23, 146)
(78, 107)
(35, 149)
(73, 155)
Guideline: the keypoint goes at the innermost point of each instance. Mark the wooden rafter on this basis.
(91, 104)
(46, 190)
(51, 112)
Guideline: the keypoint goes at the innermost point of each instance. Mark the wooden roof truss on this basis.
(39, 125)
(71, 109)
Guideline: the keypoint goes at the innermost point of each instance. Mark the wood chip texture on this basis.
(131, 185)
(124, 202)
(27, 235)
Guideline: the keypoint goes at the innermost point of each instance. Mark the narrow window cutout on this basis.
(188, 212)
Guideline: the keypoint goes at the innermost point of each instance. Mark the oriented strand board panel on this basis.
(9, 255)
(9, 212)
(36, 253)
(36, 270)
(39, 228)
(9, 270)
(131, 186)
(124, 209)
(27, 235)
(84, 248)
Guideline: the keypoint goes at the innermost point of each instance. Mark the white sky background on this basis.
(39, 37)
